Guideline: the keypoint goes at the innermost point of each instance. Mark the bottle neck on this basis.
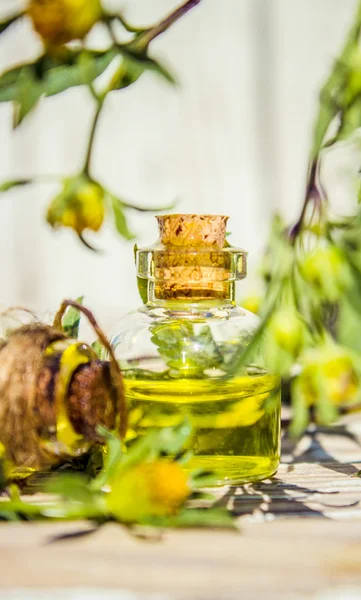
(191, 275)
(169, 294)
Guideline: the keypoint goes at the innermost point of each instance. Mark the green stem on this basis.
(328, 110)
(139, 45)
(142, 40)
(89, 153)
(328, 106)
(109, 18)
(312, 194)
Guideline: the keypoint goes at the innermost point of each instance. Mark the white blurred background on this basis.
(233, 138)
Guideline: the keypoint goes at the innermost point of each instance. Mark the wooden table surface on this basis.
(300, 537)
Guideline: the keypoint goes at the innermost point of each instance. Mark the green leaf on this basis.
(71, 320)
(349, 314)
(16, 508)
(143, 449)
(120, 219)
(28, 92)
(169, 440)
(142, 284)
(132, 65)
(87, 67)
(9, 185)
(127, 72)
(351, 120)
(8, 93)
(335, 87)
(245, 354)
(112, 456)
(21, 86)
(9, 79)
(188, 352)
(49, 76)
(135, 65)
(161, 70)
(72, 486)
(172, 440)
(11, 516)
(201, 479)
(99, 349)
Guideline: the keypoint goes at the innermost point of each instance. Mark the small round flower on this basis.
(287, 329)
(60, 21)
(327, 271)
(157, 489)
(328, 371)
(79, 206)
(252, 303)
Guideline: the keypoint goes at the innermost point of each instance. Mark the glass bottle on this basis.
(181, 352)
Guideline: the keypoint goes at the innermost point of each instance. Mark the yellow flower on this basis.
(327, 270)
(59, 21)
(79, 206)
(156, 489)
(328, 371)
(252, 303)
(287, 330)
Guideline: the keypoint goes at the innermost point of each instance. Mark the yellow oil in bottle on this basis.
(184, 353)
(236, 423)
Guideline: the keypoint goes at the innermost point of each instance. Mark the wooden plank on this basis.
(279, 551)
(330, 490)
(271, 558)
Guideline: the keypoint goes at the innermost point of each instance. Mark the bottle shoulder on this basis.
(223, 322)
(192, 313)
(156, 341)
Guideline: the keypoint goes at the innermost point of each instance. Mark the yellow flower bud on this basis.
(60, 21)
(327, 270)
(287, 330)
(329, 370)
(90, 200)
(148, 490)
(79, 206)
(252, 303)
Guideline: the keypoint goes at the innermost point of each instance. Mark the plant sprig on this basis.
(83, 201)
(107, 496)
(312, 311)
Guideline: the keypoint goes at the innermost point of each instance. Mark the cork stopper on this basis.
(193, 259)
(193, 230)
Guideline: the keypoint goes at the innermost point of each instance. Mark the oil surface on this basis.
(236, 422)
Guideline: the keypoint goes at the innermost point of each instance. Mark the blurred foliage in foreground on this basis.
(311, 311)
(67, 61)
(140, 485)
